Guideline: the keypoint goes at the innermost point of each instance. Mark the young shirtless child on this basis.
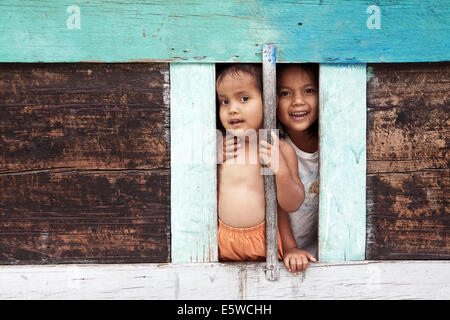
(241, 202)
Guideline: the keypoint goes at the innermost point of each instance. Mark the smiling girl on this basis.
(298, 113)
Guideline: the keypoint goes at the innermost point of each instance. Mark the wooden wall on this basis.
(84, 163)
(408, 175)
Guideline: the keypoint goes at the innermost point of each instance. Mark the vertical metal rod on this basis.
(269, 105)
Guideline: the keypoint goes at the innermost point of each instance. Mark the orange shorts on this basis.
(243, 244)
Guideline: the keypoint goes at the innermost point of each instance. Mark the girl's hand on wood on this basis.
(270, 155)
(296, 260)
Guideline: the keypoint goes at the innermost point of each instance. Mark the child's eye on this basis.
(309, 90)
(284, 93)
(223, 102)
(244, 99)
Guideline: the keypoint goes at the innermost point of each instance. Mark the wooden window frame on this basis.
(342, 207)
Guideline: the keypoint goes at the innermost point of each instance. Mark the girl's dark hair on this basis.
(223, 69)
(312, 69)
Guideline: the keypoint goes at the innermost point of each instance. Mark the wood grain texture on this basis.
(329, 31)
(193, 163)
(325, 281)
(408, 179)
(270, 190)
(342, 143)
(90, 116)
(87, 216)
(84, 163)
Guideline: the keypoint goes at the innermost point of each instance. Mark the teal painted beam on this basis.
(342, 131)
(323, 31)
(193, 163)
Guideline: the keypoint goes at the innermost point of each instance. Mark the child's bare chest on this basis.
(240, 174)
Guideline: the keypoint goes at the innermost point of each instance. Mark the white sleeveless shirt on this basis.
(304, 221)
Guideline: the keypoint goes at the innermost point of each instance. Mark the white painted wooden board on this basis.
(348, 280)
(193, 163)
(342, 130)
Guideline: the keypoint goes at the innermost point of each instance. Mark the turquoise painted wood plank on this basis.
(193, 163)
(329, 31)
(342, 130)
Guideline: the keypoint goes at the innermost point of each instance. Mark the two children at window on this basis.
(241, 202)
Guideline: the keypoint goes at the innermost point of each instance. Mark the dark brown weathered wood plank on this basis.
(84, 163)
(408, 175)
(90, 116)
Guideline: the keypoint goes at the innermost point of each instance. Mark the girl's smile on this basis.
(297, 100)
(299, 115)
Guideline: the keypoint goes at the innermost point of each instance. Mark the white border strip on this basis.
(345, 280)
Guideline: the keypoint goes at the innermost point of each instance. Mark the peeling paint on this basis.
(242, 276)
(370, 73)
(177, 286)
(327, 224)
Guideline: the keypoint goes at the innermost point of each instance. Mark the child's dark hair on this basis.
(223, 69)
(234, 69)
(312, 69)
